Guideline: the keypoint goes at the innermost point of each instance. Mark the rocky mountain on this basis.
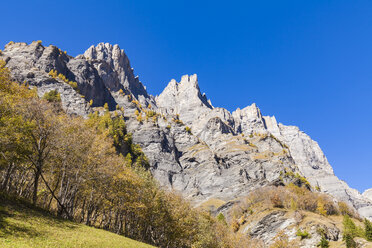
(210, 155)
(368, 194)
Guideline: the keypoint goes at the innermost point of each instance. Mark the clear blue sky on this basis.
(309, 63)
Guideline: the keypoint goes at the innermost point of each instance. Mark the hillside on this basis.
(26, 227)
(147, 167)
(202, 151)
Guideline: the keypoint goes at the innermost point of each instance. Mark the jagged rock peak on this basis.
(106, 51)
(188, 87)
(114, 67)
(191, 80)
(368, 194)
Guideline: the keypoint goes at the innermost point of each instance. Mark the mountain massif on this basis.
(213, 157)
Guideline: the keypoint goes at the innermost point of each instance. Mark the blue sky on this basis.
(306, 62)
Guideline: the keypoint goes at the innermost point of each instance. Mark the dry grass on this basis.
(290, 197)
(212, 204)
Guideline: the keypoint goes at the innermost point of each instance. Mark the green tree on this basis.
(324, 243)
(351, 228)
(349, 241)
(368, 229)
(52, 96)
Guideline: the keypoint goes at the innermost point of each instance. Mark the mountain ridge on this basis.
(205, 152)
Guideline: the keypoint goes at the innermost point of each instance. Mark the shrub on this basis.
(320, 209)
(303, 234)
(303, 180)
(235, 225)
(323, 243)
(121, 91)
(91, 102)
(177, 121)
(288, 197)
(151, 113)
(155, 119)
(276, 201)
(53, 73)
(52, 96)
(221, 218)
(74, 85)
(168, 126)
(188, 129)
(106, 106)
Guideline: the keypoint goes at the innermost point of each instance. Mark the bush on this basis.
(188, 129)
(288, 197)
(151, 113)
(106, 106)
(303, 235)
(54, 74)
(324, 243)
(320, 209)
(52, 96)
(221, 218)
(276, 201)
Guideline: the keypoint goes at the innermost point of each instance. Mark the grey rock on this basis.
(368, 194)
(220, 155)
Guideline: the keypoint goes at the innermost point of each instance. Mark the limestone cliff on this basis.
(205, 152)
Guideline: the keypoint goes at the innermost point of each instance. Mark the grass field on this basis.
(24, 226)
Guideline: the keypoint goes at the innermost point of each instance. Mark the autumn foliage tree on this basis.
(90, 171)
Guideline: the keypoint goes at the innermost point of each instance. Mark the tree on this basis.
(39, 139)
(349, 241)
(221, 218)
(52, 96)
(351, 228)
(12, 124)
(368, 229)
(324, 243)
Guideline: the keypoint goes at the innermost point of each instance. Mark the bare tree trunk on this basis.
(36, 184)
(7, 176)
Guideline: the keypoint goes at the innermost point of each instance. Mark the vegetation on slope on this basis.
(91, 172)
(22, 225)
(309, 210)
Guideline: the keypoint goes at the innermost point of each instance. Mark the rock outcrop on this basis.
(203, 151)
(368, 194)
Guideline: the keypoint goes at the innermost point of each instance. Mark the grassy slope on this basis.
(22, 226)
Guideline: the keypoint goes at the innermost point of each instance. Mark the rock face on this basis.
(207, 153)
(368, 194)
